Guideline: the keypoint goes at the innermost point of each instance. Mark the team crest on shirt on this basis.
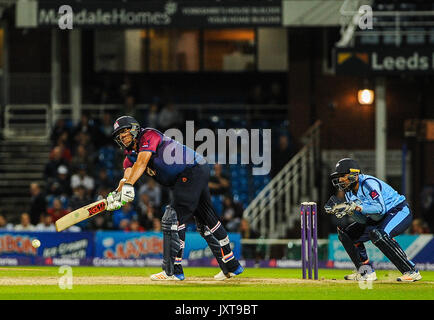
(146, 145)
(374, 194)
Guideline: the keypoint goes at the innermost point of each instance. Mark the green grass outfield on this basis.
(254, 284)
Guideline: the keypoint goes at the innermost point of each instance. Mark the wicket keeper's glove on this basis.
(114, 201)
(340, 208)
(127, 193)
(336, 206)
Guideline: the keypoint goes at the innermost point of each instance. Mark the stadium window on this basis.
(431, 35)
(368, 39)
(272, 49)
(416, 38)
(229, 50)
(173, 50)
(391, 38)
(109, 50)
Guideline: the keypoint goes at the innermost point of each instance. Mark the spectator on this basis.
(135, 226)
(219, 182)
(38, 204)
(126, 213)
(4, 224)
(123, 225)
(82, 157)
(56, 211)
(276, 95)
(100, 222)
(83, 178)
(232, 214)
(127, 89)
(169, 117)
(427, 206)
(46, 224)
(418, 226)
(61, 185)
(85, 139)
(285, 153)
(153, 190)
(130, 108)
(25, 223)
(63, 143)
(106, 128)
(146, 211)
(257, 95)
(85, 125)
(156, 225)
(79, 199)
(104, 181)
(152, 118)
(50, 170)
(249, 250)
(59, 129)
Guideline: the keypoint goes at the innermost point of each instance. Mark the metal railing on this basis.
(392, 23)
(34, 122)
(27, 122)
(276, 208)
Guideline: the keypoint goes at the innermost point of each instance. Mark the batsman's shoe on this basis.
(410, 276)
(356, 276)
(221, 276)
(162, 276)
(180, 276)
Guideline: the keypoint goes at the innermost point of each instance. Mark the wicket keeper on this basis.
(380, 214)
(148, 151)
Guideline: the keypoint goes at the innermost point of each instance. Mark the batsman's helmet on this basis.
(125, 122)
(343, 167)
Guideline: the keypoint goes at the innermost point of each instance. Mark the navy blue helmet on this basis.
(125, 122)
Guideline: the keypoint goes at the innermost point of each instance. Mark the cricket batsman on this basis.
(174, 165)
(380, 214)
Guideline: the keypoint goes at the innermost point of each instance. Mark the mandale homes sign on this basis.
(170, 13)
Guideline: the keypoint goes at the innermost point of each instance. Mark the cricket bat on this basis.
(81, 214)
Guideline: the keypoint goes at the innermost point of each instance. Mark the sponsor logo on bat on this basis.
(96, 208)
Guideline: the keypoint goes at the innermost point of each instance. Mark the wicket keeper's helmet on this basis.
(343, 167)
(125, 122)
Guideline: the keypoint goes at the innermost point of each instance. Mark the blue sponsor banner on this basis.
(128, 245)
(197, 248)
(74, 245)
(419, 249)
(141, 245)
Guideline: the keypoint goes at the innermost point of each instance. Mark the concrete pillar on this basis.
(56, 73)
(380, 128)
(5, 69)
(75, 73)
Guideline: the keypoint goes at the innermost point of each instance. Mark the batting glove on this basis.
(114, 201)
(127, 193)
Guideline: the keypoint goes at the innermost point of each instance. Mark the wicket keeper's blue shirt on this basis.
(375, 196)
(169, 157)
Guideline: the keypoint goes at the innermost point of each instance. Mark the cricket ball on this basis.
(36, 243)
